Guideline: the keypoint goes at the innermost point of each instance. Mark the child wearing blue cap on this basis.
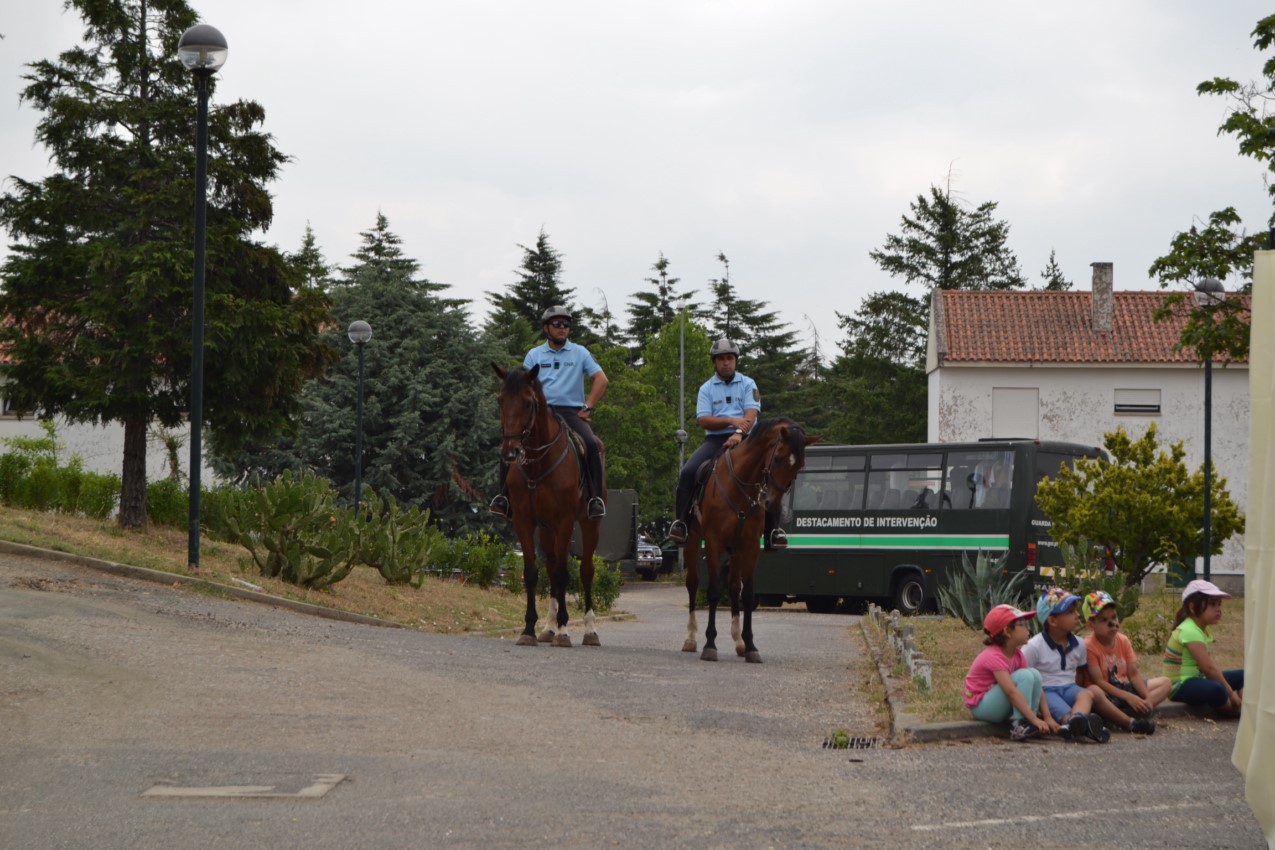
(1059, 656)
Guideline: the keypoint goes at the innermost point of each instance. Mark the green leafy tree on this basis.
(97, 288)
(1053, 276)
(1219, 250)
(539, 285)
(1143, 505)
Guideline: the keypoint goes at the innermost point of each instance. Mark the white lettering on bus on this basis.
(919, 522)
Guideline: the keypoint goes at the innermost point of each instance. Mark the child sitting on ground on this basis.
(1197, 680)
(1113, 667)
(1000, 686)
(1059, 655)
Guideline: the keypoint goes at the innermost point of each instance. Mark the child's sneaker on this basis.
(1142, 725)
(1022, 730)
(1077, 727)
(1095, 729)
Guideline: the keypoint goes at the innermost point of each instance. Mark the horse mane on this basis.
(515, 378)
(796, 436)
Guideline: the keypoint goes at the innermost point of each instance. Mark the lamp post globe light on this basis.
(1208, 292)
(359, 332)
(202, 49)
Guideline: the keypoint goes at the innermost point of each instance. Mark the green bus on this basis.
(887, 523)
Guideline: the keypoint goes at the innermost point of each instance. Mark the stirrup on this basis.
(777, 541)
(678, 532)
(499, 505)
(597, 508)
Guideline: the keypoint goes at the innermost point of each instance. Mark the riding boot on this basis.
(597, 508)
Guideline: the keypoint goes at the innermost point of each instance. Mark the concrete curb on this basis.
(910, 728)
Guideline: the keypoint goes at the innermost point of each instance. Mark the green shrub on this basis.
(99, 495)
(1149, 630)
(1084, 572)
(480, 559)
(980, 587)
(294, 531)
(14, 467)
(168, 504)
(218, 505)
(398, 543)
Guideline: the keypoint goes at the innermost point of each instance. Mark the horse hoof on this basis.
(591, 639)
(562, 640)
(546, 636)
(526, 640)
(739, 650)
(708, 654)
(688, 646)
(753, 657)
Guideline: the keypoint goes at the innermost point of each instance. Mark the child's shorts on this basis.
(1061, 698)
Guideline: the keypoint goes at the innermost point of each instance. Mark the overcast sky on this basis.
(790, 135)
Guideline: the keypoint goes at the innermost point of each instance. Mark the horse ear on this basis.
(535, 370)
(499, 371)
(813, 438)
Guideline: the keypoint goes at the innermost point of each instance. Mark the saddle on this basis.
(702, 473)
(577, 446)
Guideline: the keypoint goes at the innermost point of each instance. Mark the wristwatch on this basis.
(739, 431)
(588, 408)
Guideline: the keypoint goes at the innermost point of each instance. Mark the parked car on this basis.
(649, 558)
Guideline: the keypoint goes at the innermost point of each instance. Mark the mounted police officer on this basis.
(563, 367)
(727, 408)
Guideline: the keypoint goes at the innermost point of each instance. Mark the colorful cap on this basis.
(1054, 601)
(999, 618)
(1095, 602)
(1208, 588)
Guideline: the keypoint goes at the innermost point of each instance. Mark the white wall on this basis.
(1077, 404)
(102, 447)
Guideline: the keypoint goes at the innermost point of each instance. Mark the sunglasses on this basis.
(558, 323)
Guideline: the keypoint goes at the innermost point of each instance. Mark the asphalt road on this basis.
(130, 711)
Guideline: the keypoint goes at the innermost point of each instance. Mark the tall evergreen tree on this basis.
(1053, 276)
(97, 289)
(650, 310)
(429, 420)
(539, 286)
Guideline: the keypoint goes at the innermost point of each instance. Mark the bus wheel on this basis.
(909, 594)
(821, 604)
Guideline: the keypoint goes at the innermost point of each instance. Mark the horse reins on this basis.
(533, 454)
(754, 502)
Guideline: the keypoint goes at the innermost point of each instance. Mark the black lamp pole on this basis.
(360, 332)
(202, 49)
(1208, 292)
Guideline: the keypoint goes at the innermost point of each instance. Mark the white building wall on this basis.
(1077, 404)
(102, 447)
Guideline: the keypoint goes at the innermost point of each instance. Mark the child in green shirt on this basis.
(1196, 678)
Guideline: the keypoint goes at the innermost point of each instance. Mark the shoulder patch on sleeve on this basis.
(756, 394)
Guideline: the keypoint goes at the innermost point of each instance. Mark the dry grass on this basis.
(952, 645)
(439, 605)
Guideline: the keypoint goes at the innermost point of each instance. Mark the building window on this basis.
(1015, 412)
(1138, 402)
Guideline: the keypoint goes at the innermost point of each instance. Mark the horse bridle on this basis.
(762, 487)
(532, 454)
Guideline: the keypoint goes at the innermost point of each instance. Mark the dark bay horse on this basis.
(545, 495)
(744, 483)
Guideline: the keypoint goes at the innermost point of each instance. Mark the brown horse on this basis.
(546, 495)
(744, 483)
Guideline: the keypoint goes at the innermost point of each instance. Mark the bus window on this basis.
(980, 479)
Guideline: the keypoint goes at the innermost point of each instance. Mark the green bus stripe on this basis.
(899, 541)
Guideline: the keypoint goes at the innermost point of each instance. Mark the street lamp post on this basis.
(202, 49)
(680, 433)
(360, 332)
(1208, 292)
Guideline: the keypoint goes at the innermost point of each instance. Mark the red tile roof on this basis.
(1055, 327)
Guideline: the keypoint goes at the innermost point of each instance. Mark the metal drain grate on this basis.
(850, 742)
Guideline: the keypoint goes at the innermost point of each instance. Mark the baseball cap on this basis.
(1208, 588)
(1095, 602)
(999, 618)
(1054, 601)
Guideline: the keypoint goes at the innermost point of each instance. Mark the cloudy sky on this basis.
(791, 135)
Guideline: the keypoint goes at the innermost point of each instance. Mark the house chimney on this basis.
(1100, 300)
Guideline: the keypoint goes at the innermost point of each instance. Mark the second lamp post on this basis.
(360, 332)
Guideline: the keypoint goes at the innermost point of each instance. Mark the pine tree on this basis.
(97, 289)
(650, 311)
(1053, 276)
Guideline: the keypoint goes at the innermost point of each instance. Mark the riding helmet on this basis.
(557, 311)
(723, 346)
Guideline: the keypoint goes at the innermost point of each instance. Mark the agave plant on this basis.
(980, 586)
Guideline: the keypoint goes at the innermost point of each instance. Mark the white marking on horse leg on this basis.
(589, 620)
(737, 632)
(692, 631)
(550, 621)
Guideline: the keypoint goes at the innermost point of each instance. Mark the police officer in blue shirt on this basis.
(727, 407)
(563, 366)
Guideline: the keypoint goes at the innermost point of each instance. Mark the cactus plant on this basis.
(980, 587)
(397, 542)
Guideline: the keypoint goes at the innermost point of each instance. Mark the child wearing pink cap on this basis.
(1197, 680)
(1000, 686)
